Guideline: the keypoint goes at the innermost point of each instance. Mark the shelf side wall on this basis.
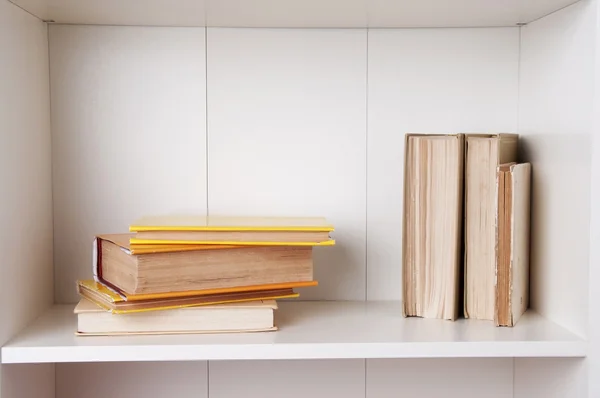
(26, 271)
(555, 122)
(555, 116)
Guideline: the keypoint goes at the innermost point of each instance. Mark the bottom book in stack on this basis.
(252, 316)
(102, 311)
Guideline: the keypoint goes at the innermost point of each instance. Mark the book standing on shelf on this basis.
(483, 154)
(512, 234)
(492, 257)
(432, 225)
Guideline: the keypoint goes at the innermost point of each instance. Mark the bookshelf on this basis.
(308, 119)
(308, 330)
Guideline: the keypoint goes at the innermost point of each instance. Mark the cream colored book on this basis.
(483, 154)
(226, 318)
(432, 226)
(512, 235)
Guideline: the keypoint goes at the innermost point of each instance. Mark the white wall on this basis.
(132, 380)
(128, 134)
(432, 378)
(427, 80)
(25, 184)
(286, 135)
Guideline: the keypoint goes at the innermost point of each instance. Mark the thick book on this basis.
(210, 269)
(253, 316)
(117, 303)
(511, 289)
(483, 154)
(432, 225)
(215, 230)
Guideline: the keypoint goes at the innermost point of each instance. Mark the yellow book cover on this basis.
(223, 223)
(153, 243)
(118, 303)
(272, 286)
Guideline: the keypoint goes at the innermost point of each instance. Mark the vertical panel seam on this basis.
(366, 364)
(367, 169)
(519, 61)
(514, 361)
(50, 129)
(207, 164)
(206, 109)
(207, 379)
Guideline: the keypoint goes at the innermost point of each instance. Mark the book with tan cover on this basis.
(511, 287)
(432, 225)
(483, 154)
(213, 269)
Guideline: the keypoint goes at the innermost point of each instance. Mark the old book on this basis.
(238, 317)
(210, 269)
(432, 226)
(116, 303)
(511, 289)
(217, 230)
(483, 154)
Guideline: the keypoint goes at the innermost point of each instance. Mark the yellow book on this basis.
(222, 223)
(231, 231)
(119, 303)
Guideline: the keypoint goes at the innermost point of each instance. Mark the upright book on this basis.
(483, 154)
(511, 289)
(432, 226)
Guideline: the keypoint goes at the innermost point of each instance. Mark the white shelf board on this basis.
(294, 13)
(308, 330)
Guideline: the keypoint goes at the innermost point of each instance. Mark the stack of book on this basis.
(466, 227)
(197, 274)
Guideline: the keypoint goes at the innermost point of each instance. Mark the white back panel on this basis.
(427, 80)
(557, 72)
(289, 379)
(432, 378)
(28, 381)
(128, 131)
(129, 380)
(25, 180)
(286, 136)
(550, 378)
